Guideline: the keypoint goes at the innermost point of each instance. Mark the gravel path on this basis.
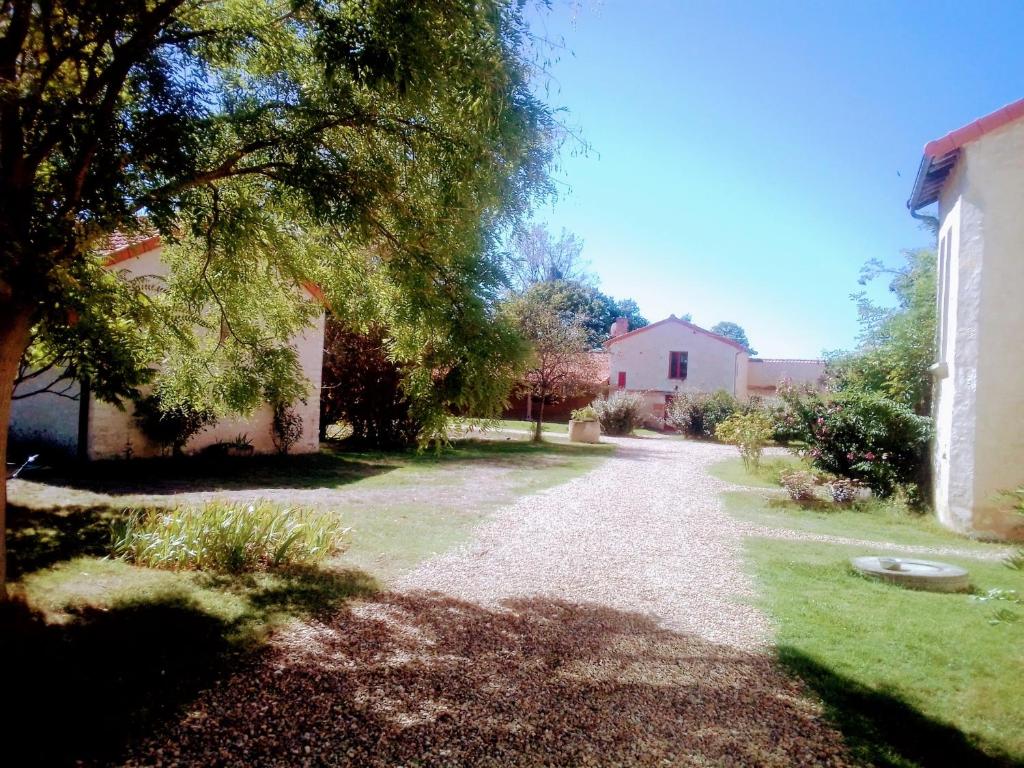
(602, 622)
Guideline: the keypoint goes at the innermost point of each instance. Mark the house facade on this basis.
(673, 356)
(976, 176)
(93, 429)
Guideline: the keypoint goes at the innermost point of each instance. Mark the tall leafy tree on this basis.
(376, 149)
(594, 310)
(539, 257)
(735, 332)
(896, 344)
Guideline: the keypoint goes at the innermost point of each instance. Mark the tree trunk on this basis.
(15, 322)
(540, 420)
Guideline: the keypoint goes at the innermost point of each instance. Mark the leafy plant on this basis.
(586, 413)
(698, 414)
(286, 427)
(170, 428)
(799, 484)
(222, 536)
(749, 432)
(1016, 499)
(620, 413)
(862, 436)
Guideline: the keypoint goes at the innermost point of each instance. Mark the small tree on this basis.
(749, 432)
(559, 365)
(286, 427)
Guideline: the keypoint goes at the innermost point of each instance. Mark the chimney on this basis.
(619, 327)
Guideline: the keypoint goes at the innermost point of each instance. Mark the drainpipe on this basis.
(735, 374)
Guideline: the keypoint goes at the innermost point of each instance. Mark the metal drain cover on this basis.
(914, 574)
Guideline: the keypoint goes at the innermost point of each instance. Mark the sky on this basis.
(747, 158)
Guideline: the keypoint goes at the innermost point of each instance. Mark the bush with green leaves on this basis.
(698, 414)
(170, 427)
(286, 427)
(799, 484)
(749, 432)
(227, 537)
(863, 436)
(620, 413)
(586, 413)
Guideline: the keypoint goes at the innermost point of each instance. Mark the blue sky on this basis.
(745, 155)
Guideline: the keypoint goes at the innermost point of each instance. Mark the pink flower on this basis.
(851, 456)
(869, 456)
(821, 419)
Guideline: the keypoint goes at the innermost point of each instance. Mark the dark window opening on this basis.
(677, 364)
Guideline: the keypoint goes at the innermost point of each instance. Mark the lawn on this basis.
(765, 476)
(126, 646)
(911, 678)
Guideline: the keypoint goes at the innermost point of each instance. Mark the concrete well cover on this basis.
(915, 574)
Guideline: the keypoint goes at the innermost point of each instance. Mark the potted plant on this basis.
(584, 426)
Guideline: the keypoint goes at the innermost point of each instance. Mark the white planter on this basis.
(584, 431)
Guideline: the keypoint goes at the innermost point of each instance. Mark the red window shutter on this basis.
(622, 379)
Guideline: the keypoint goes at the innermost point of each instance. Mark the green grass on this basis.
(766, 476)
(547, 426)
(872, 519)
(911, 678)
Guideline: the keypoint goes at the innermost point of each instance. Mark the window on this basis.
(622, 379)
(677, 362)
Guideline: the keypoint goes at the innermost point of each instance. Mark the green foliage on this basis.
(896, 344)
(586, 413)
(862, 436)
(286, 427)
(363, 388)
(596, 311)
(749, 432)
(229, 537)
(735, 332)
(698, 414)
(1016, 500)
(170, 427)
(620, 413)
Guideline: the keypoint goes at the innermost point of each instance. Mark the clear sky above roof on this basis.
(748, 157)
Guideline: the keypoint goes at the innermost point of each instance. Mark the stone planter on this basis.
(584, 431)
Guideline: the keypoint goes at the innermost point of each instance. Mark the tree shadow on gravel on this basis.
(430, 681)
(882, 728)
(85, 686)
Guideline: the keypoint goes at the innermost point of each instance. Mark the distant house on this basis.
(976, 175)
(91, 428)
(673, 356)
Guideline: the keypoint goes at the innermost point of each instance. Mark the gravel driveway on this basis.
(605, 621)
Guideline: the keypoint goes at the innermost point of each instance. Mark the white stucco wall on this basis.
(979, 394)
(46, 421)
(644, 356)
(764, 375)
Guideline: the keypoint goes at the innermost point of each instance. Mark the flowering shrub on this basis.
(621, 413)
(799, 484)
(698, 414)
(586, 413)
(749, 432)
(843, 490)
(862, 436)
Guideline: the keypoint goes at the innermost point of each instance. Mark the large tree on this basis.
(376, 149)
(595, 310)
(735, 332)
(538, 257)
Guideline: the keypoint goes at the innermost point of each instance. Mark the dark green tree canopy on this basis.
(735, 332)
(594, 310)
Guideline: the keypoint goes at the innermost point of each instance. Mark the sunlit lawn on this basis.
(911, 678)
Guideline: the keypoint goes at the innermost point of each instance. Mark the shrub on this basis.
(170, 428)
(620, 413)
(698, 414)
(799, 484)
(749, 432)
(587, 413)
(221, 536)
(862, 436)
(843, 490)
(286, 428)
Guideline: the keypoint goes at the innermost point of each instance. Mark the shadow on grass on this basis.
(84, 688)
(882, 729)
(204, 473)
(39, 538)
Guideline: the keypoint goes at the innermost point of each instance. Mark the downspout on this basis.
(735, 374)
